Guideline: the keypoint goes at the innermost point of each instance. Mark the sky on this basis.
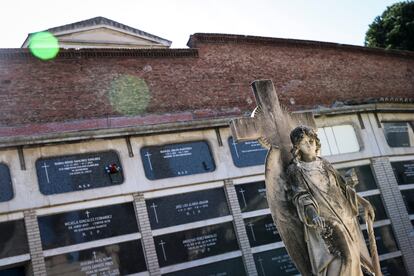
(343, 21)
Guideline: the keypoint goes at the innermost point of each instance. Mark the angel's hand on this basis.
(318, 222)
(367, 206)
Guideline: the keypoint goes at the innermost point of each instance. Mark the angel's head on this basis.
(306, 144)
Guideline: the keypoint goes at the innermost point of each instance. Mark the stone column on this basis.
(35, 243)
(240, 228)
(394, 204)
(146, 235)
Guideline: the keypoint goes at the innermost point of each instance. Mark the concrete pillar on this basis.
(35, 243)
(394, 204)
(146, 235)
(240, 228)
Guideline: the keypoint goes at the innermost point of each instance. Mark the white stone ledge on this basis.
(14, 259)
(92, 244)
(200, 262)
(191, 225)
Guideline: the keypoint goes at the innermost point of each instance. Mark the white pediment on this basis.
(102, 36)
(100, 32)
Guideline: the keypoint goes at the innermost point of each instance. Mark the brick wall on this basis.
(211, 81)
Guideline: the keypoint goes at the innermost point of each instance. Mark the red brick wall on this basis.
(214, 83)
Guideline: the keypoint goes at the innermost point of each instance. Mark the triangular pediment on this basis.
(102, 36)
(100, 32)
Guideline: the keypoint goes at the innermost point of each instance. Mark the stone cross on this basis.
(271, 125)
(269, 122)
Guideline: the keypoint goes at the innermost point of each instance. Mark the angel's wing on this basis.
(284, 213)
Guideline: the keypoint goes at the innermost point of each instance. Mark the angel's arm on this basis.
(348, 183)
(356, 200)
(306, 206)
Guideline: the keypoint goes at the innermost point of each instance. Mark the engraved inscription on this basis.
(248, 153)
(78, 172)
(177, 160)
(188, 207)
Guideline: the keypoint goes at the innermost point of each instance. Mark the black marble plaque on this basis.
(13, 271)
(393, 267)
(261, 230)
(76, 172)
(366, 180)
(274, 262)
(13, 239)
(396, 134)
(378, 206)
(408, 197)
(116, 259)
(195, 243)
(252, 196)
(177, 160)
(232, 267)
(246, 154)
(404, 171)
(384, 237)
(87, 225)
(188, 207)
(6, 187)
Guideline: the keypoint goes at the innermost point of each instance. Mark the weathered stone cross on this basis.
(269, 123)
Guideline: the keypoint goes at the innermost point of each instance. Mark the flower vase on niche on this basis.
(115, 173)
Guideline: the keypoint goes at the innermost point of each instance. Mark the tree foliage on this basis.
(394, 29)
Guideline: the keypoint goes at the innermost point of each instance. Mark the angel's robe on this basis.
(334, 250)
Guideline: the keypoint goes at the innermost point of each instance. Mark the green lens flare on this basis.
(44, 45)
(129, 95)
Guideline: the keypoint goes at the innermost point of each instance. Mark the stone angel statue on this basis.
(314, 208)
(327, 207)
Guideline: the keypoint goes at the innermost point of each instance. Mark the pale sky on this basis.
(323, 20)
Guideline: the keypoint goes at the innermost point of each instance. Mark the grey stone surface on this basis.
(240, 228)
(395, 207)
(35, 244)
(146, 235)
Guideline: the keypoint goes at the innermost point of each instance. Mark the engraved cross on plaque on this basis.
(47, 174)
(269, 122)
(261, 266)
(148, 155)
(243, 197)
(235, 148)
(162, 243)
(154, 207)
(252, 230)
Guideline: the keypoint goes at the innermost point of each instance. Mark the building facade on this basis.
(101, 32)
(121, 162)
